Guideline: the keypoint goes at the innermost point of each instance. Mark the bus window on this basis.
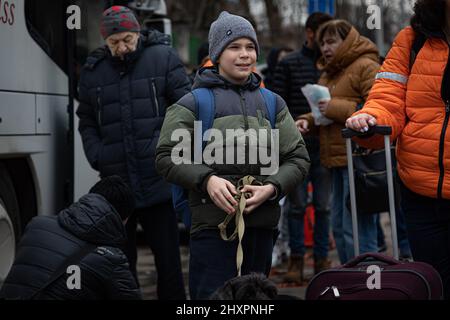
(46, 23)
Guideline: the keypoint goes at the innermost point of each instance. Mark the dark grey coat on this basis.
(122, 108)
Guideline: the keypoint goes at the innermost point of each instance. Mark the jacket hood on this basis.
(354, 47)
(147, 38)
(93, 219)
(209, 77)
(151, 37)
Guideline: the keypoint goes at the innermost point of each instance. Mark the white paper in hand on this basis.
(313, 94)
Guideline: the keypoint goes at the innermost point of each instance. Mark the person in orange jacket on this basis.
(414, 99)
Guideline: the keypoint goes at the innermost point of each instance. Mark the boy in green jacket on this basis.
(241, 129)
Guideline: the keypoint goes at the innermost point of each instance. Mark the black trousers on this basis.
(428, 225)
(159, 224)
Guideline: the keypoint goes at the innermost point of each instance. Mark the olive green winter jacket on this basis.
(236, 107)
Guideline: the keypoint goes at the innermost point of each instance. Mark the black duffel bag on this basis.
(371, 180)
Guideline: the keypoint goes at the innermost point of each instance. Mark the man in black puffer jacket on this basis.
(124, 90)
(298, 68)
(52, 243)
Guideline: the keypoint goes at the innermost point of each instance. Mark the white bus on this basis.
(36, 137)
(42, 164)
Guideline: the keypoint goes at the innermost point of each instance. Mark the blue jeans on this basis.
(320, 178)
(213, 260)
(403, 243)
(428, 225)
(341, 220)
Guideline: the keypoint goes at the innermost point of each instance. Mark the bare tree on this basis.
(278, 22)
(273, 15)
(343, 8)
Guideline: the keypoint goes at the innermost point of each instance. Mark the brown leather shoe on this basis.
(321, 265)
(295, 269)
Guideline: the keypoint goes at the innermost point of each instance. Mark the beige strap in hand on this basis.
(239, 219)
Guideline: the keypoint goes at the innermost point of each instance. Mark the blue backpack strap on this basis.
(204, 109)
(271, 104)
(204, 112)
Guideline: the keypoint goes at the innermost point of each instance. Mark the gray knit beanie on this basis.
(227, 28)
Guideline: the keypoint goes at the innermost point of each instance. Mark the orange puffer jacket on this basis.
(413, 104)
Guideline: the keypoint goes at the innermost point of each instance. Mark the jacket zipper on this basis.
(244, 109)
(155, 99)
(444, 127)
(441, 149)
(99, 106)
(338, 292)
(335, 292)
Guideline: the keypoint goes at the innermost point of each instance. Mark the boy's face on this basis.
(237, 60)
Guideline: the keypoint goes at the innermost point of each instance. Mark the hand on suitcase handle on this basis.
(382, 130)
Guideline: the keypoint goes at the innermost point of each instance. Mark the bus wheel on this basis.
(9, 222)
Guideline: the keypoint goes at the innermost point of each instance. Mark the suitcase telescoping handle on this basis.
(386, 131)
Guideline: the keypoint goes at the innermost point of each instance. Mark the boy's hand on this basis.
(259, 195)
(221, 192)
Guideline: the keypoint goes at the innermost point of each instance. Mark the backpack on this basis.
(205, 111)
